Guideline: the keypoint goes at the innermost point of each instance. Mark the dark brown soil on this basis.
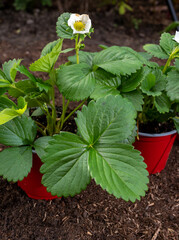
(156, 127)
(93, 214)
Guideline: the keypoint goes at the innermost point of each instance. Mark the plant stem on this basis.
(167, 64)
(77, 49)
(63, 113)
(137, 129)
(171, 57)
(74, 110)
(51, 120)
(61, 121)
(41, 131)
(41, 125)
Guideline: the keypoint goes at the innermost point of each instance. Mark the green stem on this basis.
(77, 47)
(41, 125)
(41, 131)
(171, 57)
(142, 115)
(74, 110)
(167, 64)
(61, 121)
(51, 120)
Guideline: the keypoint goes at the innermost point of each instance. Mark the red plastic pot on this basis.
(155, 149)
(32, 183)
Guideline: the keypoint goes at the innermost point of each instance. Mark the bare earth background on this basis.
(93, 214)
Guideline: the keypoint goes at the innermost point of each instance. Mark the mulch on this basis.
(93, 214)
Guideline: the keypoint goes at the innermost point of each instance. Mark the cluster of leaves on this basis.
(118, 83)
(161, 84)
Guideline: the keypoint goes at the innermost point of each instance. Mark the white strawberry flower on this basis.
(79, 23)
(176, 38)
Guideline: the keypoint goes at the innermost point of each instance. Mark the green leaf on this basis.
(167, 43)
(118, 60)
(130, 83)
(177, 107)
(136, 98)
(62, 28)
(65, 165)
(21, 5)
(37, 81)
(156, 51)
(173, 85)
(2, 91)
(15, 163)
(122, 10)
(171, 26)
(10, 113)
(84, 57)
(5, 102)
(37, 112)
(67, 50)
(22, 69)
(101, 91)
(48, 48)
(149, 81)
(4, 83)
(43, 86)
(40, 144)
(132, 138)
(76, 82)
(19, 131)
(9, 69)
(119, 169)
(162, 103)
(103, 46)
(2, 75)
(22, 88)
(176, 122)
(154, 82)
(141, 57)
(109, 119)
(47, 3)
(46, 63)
(145, 55)
(36, 99)
(177, 64)
(106, 84)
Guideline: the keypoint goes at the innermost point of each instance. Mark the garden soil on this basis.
(93, 214)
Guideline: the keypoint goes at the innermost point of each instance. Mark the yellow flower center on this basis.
(79, 26)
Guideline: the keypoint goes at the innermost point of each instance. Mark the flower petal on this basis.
(176, 38)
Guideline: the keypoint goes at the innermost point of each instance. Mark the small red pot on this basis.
(155, 149)
(32, 183)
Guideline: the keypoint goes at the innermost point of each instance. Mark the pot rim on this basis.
(157, 134)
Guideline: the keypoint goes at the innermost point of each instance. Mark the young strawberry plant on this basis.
(106, 124)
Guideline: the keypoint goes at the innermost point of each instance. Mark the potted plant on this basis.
(159, 117)
(154, 91)
(102, 147)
